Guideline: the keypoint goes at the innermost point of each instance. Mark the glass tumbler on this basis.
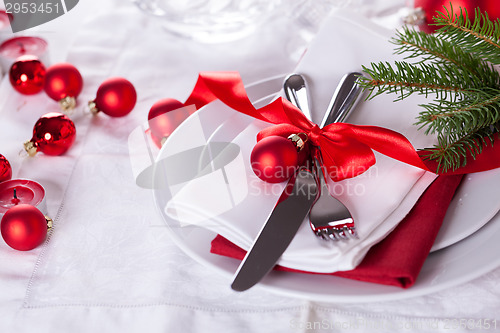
(210, 21)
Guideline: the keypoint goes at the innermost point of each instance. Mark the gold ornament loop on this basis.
(298, 141)
(30, 148)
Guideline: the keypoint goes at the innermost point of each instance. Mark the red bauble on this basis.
(162, 122)
(53, 134)
(274, 159)
(23, 227)
(115, 97)
(63, 83)
(431, 7)
(27, 75)
(5, 169)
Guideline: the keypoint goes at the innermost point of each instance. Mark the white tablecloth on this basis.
(109, 265)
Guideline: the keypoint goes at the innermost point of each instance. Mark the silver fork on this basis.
(329, 218)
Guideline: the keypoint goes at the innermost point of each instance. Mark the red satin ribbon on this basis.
(346, 149)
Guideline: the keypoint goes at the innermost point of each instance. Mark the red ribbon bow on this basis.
(346, 149)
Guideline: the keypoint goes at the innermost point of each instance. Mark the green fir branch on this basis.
(456, 65)
(404, 79)
(452, 152)
(479, 109)
(425, 47)
(480, 36)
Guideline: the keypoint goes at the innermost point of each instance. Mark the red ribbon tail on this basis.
(225, 86)
(389, 143)
(201, 95)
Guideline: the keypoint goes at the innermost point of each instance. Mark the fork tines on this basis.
(341, 230)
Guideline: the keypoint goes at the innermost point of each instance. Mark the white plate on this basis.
(476, 201)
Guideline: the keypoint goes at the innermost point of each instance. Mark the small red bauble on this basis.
(53, 134)
(27, 75)
(162, 124)
(63, 83)
(5, 169)
(274, 159)
(432, 7)
(24, 227)
(116, 97)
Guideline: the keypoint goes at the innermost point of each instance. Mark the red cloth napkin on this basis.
(398, 259)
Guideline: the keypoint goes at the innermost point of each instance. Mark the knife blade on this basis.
(278, 232)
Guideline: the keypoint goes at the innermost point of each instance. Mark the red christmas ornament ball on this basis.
(274, 159)
(432, 7)
(23, 227)
(53, 134)
(5, 169)
(162, 122)
(63, 81)
(27, 75)
(116, 97)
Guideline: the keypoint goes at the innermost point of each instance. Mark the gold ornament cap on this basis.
(68, 103)
(30, 148)
(298, 141)
(93, 107)
(415, 16)
(50, 223)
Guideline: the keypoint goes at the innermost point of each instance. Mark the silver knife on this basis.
(278, 232)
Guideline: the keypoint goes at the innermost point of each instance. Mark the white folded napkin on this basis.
(229, 199)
